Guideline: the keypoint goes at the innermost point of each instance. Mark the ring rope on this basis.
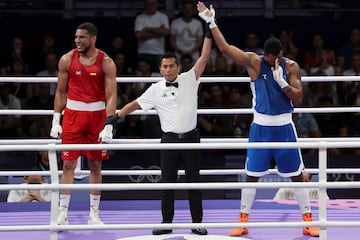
(203, 172)
(173, 225)
(200, 111)
(182, 146)
(184, 186)
(157, 140)
(37, 79)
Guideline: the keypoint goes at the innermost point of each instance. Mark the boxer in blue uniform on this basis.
(275, 84)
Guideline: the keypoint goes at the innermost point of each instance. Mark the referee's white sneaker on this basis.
(62, 216)
(94, 218)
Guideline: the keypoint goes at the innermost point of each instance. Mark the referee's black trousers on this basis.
(171, 162)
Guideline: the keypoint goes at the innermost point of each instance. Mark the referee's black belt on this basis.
(180, 135)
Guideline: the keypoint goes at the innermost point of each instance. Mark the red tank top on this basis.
(86, 83)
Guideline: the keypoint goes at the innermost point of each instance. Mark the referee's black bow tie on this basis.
(175, 84)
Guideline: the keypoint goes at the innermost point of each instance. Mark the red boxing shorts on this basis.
(83, 127)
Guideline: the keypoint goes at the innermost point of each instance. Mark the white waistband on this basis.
(272, 120)
(83, 106)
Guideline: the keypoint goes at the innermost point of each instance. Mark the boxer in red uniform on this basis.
(86, 91)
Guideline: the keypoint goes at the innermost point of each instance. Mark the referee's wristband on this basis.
(208, 33)
(112, 119)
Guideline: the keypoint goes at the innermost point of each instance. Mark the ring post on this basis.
(54, 176)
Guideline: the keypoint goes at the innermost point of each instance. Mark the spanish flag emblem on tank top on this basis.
(93, 74)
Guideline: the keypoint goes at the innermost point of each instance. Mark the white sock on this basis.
(64, 200)
(302, 196)
(247, 199)
(94, 201)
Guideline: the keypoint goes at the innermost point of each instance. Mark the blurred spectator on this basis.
(186, 32)
(47, 47)
(349, 95)
(122, 66)
(143, 69)
(186, 63)
(349, 91)
(331, 124)
(39, 126)
(23, 91)
(119, 44)
(134, 126)
(306, 127)
(35, 195)
(10, 125)
(122, 70)
(51, 70)
(43, 160)
(321, 89)
(221, 66)
(151, 28)
(325, 66)
(314, 57)
(122, 98)
(211, 65)
(16, 52)
(135, 89)
(347, 50)
(240, 122)
(354, 70)
(290, 49)
(215, 125)
(251, 45)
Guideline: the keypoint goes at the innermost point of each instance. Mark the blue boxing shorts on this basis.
(288, 160)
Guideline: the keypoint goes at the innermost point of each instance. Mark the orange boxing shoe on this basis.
(244, 217)
(312, 231)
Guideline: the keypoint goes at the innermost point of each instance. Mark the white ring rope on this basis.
(200, 111)
(217, 79)
(203, 172)
(235, 143)
(182, 146)
(184, 186)
(176, 225)
(157, 140)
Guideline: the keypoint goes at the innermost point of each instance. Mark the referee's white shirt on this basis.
(176, 107)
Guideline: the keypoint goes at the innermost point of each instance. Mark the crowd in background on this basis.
(183, 35)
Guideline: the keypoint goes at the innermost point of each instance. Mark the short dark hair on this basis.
(90, 27)
(272, 46)
(170, 55)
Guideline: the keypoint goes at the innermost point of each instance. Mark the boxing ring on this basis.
(134, 219)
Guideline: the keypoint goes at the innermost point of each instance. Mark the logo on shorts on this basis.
(103, 153)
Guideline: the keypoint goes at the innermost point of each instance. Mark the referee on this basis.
(175, 100)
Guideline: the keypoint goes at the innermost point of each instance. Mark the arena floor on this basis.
(148, 212)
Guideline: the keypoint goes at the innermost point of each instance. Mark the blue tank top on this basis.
(268, 97)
